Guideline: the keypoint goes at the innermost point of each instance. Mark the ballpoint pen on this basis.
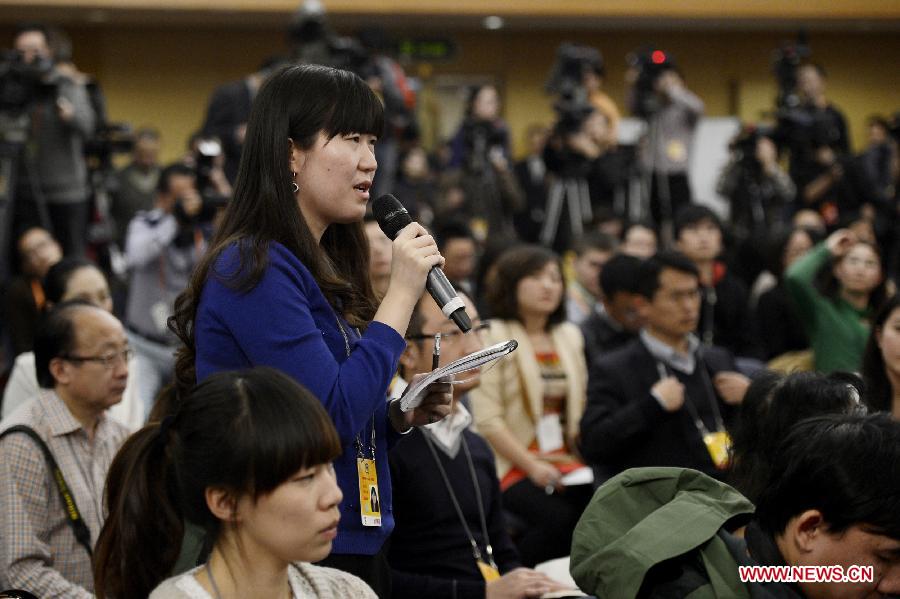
(436, 355)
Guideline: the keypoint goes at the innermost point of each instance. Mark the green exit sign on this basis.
(428, 50)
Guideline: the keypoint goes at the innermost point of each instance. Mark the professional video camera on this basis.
(572, 106)
(567, 75)
(799, 126)
(649, 63)
(313, 42)
(207, 151)
(744, 147)
(21, 83)
(571, 116)
(785, 61)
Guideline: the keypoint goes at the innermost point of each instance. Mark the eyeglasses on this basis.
(108, 361)
(452, 336)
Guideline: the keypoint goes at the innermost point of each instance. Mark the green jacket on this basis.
(646, 516)
(837, 331)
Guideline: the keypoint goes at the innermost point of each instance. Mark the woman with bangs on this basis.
(285, 284)
(836, 289)
(529, 406)
(247, 457)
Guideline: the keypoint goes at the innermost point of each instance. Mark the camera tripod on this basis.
(14, 137)
(573, 193)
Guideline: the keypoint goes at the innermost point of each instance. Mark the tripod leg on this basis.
(554, 210)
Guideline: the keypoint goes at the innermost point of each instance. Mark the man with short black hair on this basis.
(833, 501)
(725, 316)
(431, 553)
(81, 358)
(52, 172)
(592, 251)
(162, 247)
(615, 320)
(662, 399)
(827, 520)
(135, 184)
(457, 245)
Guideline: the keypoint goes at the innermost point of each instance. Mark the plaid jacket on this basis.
(38, 550)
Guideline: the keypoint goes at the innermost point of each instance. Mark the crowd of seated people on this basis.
(692, 391)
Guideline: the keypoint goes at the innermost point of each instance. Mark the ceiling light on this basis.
(493, 22)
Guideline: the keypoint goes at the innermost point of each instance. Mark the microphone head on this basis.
(390, 214)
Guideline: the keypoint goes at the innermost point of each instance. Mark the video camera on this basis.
(572, 106)
(649, 63)
(567, 75)
(799, 126)
(21, 83)
(206, 151)
(744, 146)
(313, 42)
(785, 61)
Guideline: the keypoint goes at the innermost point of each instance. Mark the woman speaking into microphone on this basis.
(285, 284)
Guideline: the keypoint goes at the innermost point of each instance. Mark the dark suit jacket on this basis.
(624, 426)
(228, 108)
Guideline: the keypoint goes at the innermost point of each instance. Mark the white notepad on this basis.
(416, 392)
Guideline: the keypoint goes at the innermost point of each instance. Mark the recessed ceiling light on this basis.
(493, 22)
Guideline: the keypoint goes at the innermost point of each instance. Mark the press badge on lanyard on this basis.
(369, 495)
(717, 443)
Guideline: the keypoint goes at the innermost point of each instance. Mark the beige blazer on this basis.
(511, 394)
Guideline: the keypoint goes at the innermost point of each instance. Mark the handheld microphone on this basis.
(392, 217)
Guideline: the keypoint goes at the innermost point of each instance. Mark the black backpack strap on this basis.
(82, 534)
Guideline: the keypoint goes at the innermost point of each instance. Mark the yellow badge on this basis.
(718, 445)
(369, 498)
(676, 150)
(488, 571)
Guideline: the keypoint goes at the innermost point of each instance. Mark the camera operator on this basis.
(584, 173)
(51, 171)
(758, 189)
(593, 83)
(814, 123)
(135, 184)
(162, 247)
(658, 94)
(481, 152)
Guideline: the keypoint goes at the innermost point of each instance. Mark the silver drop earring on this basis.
(294, 187)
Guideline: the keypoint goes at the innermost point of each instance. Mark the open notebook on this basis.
(416, 392)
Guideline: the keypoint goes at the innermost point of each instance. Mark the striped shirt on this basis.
(38, 550)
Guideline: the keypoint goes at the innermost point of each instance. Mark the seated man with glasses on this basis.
(55, 452)
(449, 538)
(662, 399)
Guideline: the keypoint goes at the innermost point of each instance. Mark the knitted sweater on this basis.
(837, 331)
(285, 322)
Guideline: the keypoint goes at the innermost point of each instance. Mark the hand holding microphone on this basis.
(414, 248)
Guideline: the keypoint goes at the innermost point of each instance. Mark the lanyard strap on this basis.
(462, 519)
(82, 534)
(359, 446)
(710, 394)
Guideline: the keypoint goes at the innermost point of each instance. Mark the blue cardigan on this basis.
(285, 322)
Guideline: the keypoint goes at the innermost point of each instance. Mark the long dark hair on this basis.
(879, 393)
(296, 103)
(514, 265)
(773, 404)
(246, 432)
